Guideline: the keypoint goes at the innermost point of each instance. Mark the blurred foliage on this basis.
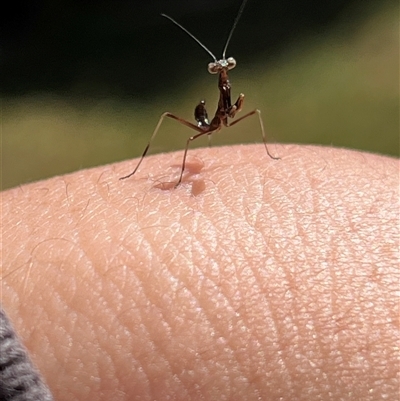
(125, 48)
(337, 87)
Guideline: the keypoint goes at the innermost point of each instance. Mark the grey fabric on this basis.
(19, 380)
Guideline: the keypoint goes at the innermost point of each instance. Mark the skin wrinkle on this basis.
(208, 319)
(296, 220)
(254, 208)
(254, 274)
(247, 327)
(219, 234)
(137, 363)
(225, 298)
(284, 373)
(89, 218)
(339, 335)
(294, 323)
(211, 244)
(169, 330)
(254, 333)
(147, 296)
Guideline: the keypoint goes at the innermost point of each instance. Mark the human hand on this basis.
(255, 279)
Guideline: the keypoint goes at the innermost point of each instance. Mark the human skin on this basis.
(255, 279)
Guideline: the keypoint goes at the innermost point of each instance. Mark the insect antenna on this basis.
(191, 35)
(233, 27)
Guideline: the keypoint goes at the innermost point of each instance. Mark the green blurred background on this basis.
(84, 83)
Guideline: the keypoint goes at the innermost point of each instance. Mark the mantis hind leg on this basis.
(251, 113)
(191, 139)
(169, 115)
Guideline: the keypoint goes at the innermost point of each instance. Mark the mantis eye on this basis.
(231, 63)
(213, 68)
